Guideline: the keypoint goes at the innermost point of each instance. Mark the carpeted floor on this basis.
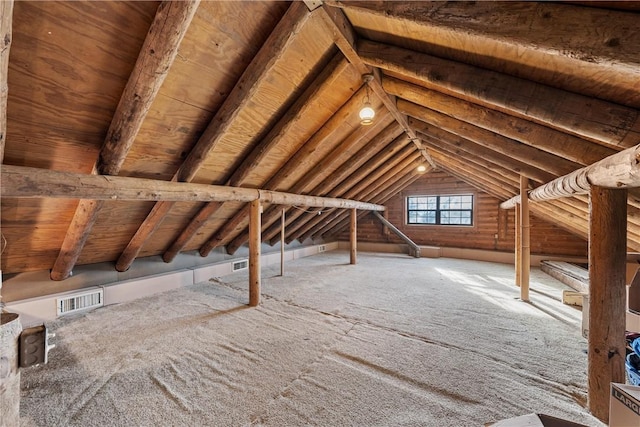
(391, 341)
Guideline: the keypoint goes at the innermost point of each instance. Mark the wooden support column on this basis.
(6, 16)
(282, 233)
(254, 253)
(607, 262)
(354, 235)
(517, 244)
(525, 259)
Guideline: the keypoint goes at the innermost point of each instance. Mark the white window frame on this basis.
(438, 210)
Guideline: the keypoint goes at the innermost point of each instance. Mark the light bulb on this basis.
(367, 114)
(422, 168)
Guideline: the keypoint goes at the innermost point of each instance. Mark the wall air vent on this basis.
(322, 248)
(79, 302)
(240, 265)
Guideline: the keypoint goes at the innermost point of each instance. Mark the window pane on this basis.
(444, 210)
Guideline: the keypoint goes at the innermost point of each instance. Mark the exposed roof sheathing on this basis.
(266, 95)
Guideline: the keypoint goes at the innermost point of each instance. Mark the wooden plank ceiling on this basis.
(266, 95)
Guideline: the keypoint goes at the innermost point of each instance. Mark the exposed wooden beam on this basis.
(302, 106)
(324, 80)
(622, 170)
(384, 179)
(484, 151)
(341, 221)
(6, 17)
(412, 246)
(272, 50)
(504, 177)
(376, 169)
(282, 233)
(525, 246)
(524, 153)
(303, 158)
(607, 296)
(344, 151)
(254, 253)
(516, 252)
(612, 125)
(391, 186)
(34, 183)
(479, 178)
(353, 237)
(158, 52)
(338, 155)
(344, 36)
(359, 168)
(363, 173)
(344, 172)
(551, 40)
(570, 147)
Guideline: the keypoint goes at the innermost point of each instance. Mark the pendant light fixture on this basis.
(366, 112)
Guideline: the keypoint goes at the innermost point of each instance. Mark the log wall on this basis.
(493, 229)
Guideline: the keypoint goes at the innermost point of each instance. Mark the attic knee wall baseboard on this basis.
(38, 310)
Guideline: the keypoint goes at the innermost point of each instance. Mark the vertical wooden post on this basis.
(518, 237)
(254, 253)
(282, 225)
(353, 235)
(6, 17)
(607, 295)
(525, 262)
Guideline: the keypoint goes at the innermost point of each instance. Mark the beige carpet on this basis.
(392, 341)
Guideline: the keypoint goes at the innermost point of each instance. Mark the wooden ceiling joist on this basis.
(23, 182)
(306, 229)
(344, 36)
(390, 184)
(570, 147)
(552, 40)
(245, 88)
(506, 176)
(339, 155)
(303, 159)
(524, 153)
(486, 152)
(158, 52)
(363, 176)
(274, 47)
(341, 221)
(324, 80)
(618, 171)
(456, 151)
(612, 125)
(387, 138)
(385, 175)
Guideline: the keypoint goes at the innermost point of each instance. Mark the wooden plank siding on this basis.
(489, 222)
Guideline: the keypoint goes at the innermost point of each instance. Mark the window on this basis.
(440, 210)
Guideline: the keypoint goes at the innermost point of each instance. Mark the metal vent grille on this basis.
(322, 248)
(79, 302)
(240, 265)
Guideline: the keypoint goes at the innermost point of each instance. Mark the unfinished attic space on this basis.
(331, 213)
